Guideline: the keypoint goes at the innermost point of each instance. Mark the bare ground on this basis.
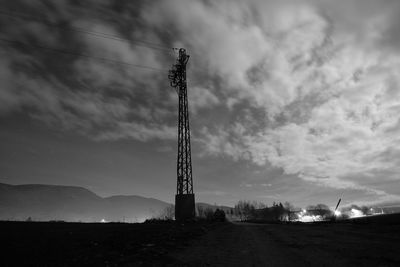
(200, 244)
(247, 244)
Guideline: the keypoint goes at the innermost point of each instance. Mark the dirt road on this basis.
(294, 245)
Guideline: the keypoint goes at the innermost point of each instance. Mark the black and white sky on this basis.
(289, 100)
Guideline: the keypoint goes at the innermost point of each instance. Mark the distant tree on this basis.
(240, 207)
(365, 210)
(246, 210)
(290, 210)
(219, 215)
(209, 214)
(320, 210)
(200, 211)
(324, 211)
(259, 211)
(258, 205)
(310, 207)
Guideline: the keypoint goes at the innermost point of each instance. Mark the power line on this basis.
(55, 50)
(85, 31)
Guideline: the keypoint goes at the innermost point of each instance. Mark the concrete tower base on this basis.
(184, 207)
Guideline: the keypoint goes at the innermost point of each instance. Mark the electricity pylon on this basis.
(184, 198)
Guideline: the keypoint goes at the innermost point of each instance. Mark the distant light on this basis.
(310, 218)
(337, 213)
(103, 221)
(356, 213)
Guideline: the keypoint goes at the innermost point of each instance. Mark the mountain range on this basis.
(70, 203)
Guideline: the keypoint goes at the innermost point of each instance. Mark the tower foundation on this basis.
(184, 207)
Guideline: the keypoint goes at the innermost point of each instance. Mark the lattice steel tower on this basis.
(184, 199)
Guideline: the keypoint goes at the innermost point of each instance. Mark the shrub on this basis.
(209, 214)
(219, 216)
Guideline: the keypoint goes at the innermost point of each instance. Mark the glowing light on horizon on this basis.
(310, 218)
(354, 213)
(302, 217)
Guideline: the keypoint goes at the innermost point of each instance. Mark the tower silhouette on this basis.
(184, 198)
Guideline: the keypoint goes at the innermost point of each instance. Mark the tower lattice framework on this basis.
(184, 199)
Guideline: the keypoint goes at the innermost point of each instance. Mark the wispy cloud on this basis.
(311, 87)
(96, 98)
(330, 101)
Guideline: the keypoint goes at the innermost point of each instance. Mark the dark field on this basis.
(93, 244)
(372, 242)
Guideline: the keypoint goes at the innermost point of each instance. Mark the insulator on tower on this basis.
(184, 199)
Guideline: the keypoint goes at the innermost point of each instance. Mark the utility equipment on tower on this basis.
(184, 198)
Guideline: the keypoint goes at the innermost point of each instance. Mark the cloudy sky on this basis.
(289, 100)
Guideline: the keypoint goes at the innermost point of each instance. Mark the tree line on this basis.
(257, 211)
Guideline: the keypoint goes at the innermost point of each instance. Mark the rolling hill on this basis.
(70, 203)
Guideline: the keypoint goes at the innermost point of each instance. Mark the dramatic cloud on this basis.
(310, 87)
(328, 86)
(86, 94)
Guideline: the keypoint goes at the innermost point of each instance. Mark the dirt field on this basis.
(94, 244)
(296, 245)
(239, 244)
